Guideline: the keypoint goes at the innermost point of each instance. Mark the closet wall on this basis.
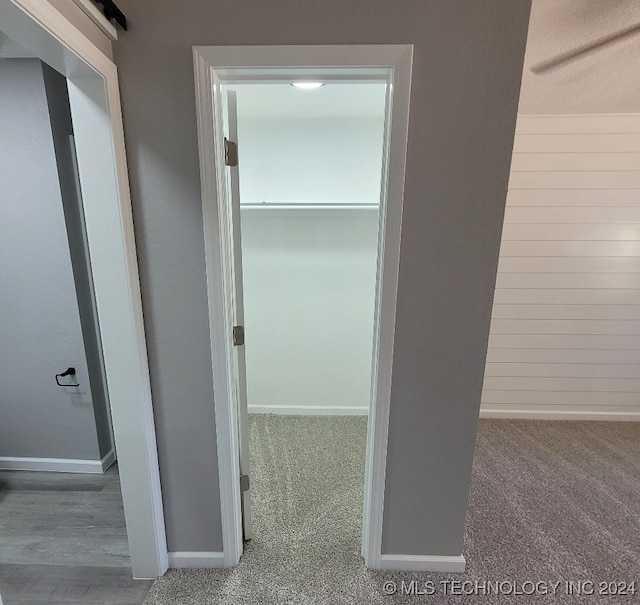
(309, 191)
(311, 159)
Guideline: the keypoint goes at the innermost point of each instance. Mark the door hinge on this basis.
(230, 153)
(244, 483)
(238, 336)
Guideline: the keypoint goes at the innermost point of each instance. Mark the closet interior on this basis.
(310, 163)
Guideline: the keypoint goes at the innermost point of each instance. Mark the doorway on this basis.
(216, 69)
(309, 170)
(95, 108)
(48, 303)
(309, 188)
(55, 424)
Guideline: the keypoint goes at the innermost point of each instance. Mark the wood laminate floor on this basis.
(63, 540)
(70, 585)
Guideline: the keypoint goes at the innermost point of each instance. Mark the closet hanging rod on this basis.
(311, 206)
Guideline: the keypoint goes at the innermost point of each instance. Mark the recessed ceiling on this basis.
(334, 99)
(605, 80)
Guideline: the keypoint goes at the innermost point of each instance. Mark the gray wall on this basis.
(467, 64)
(40, 331)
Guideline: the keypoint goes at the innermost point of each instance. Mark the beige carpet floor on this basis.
(551, 503)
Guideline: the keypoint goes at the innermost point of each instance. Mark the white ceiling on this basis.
(334, 99)
(606, 80)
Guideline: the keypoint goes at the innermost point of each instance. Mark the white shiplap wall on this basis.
(565, 330)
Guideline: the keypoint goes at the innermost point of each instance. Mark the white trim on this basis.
(213, 66)
(94, 95)
(196, 560)
(92, 11)
(217, 247)
(547, 414)
(58, 465)
(445, 564)
(310, 410)
(393, 171)
(108, 459)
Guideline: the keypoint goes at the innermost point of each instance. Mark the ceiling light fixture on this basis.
(307, 85)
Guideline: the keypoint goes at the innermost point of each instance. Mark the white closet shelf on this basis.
(308, 206)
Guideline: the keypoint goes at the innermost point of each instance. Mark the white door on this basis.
(238, 310)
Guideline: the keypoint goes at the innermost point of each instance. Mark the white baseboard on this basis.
(310, 410)
(550, 414)
(196, 560)
(446, 564)
(58, 465)
(108, 459)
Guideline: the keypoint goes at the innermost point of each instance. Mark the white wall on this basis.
(40, 331)
(310, 160)
(565, 331)
(309, 274)
(309, 280)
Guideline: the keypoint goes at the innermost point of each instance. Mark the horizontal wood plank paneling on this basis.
(578, 124)
(566, 383)
(569, 280)
(572, 215)
(573, 197)
(557, 296)
(573, 312)
(629, 342)
(565, 331)
(564, 370)
(565, 326)
(575, 232)
(584, 142)
(564, 248)
(561, 162)
(595, 179)
(590, 398)
(562, 356)
(569, 264)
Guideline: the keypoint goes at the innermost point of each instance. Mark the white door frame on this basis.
(215, 66)
(95, 107)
